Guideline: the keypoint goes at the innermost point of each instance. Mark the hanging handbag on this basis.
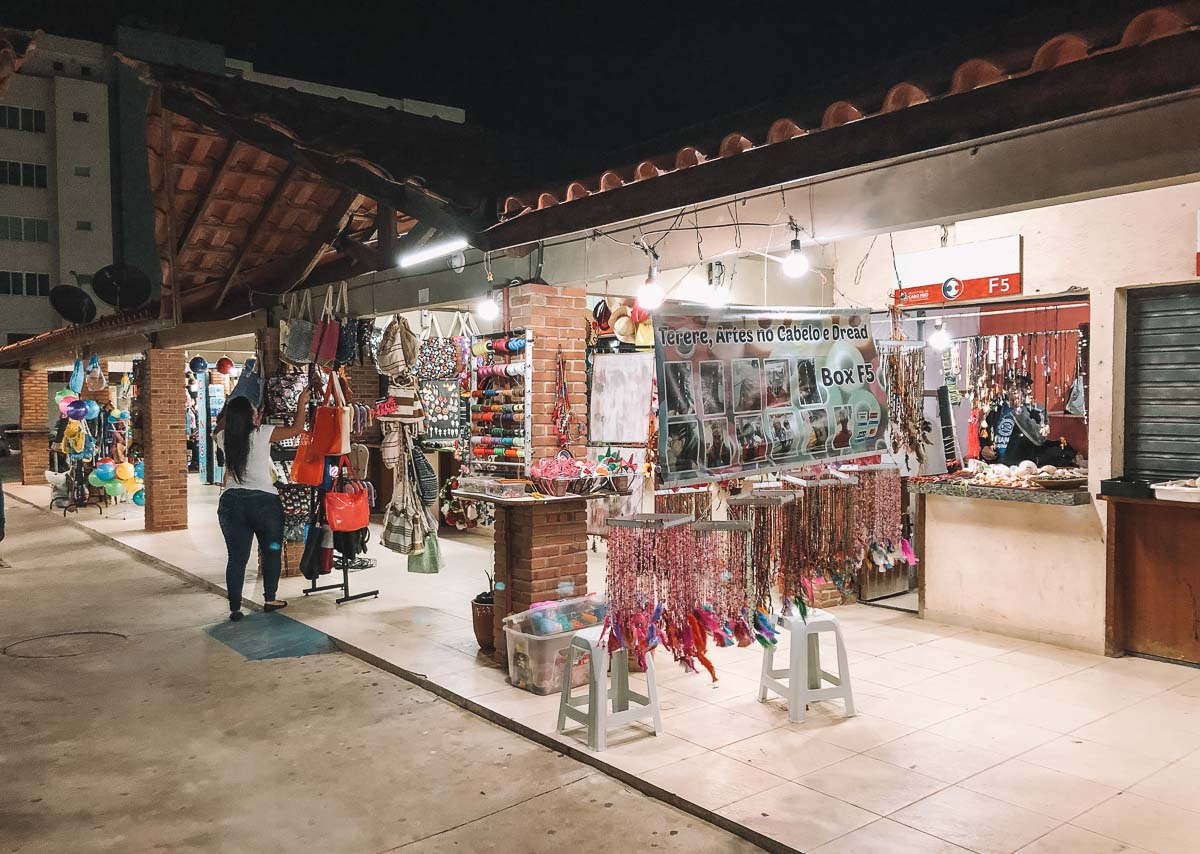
(423, 476)
(347, 507)
(96, 380)
(283, 390)
(249, 384)
(298, 341)
(298, 499)
(309, 466)
(437, 356)
(397, 349)
(347, 347)
(325, 335)
(408, 408)
(332, 422)
(77, 375)
(428, 561)
(312, 560)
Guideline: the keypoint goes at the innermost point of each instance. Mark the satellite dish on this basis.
(73, 303)
(122, 286)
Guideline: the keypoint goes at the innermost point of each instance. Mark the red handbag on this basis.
(326, 333)
(309, 466)
(348, 509)
(332, 422)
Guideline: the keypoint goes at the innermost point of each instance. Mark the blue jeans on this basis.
(245, 514)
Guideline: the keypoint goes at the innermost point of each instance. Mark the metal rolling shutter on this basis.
(1162, 383)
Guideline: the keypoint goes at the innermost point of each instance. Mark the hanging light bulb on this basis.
(939, 339)
(650, 295)
(488, 308)
(795, 263)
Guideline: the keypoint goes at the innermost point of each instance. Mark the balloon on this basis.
(140, 469)
(125, 471)
(77, 409)
(124, 414)
(63, 404)
(139, 498)
(106, 472)
(95, 479)
(225, 364)
(114, 488)
(63, 392)
(93, 409)
(131, 485)
(198, 364)
(106, 461)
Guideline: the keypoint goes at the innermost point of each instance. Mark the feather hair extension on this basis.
(700, 647)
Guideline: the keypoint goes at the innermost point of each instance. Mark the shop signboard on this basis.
(990, 269)
(743, 390)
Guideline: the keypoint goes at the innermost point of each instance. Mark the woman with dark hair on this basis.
(250, 506)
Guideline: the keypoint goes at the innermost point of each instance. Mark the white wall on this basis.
(1056, 586)
(82, 199)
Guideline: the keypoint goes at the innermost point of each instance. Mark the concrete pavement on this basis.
(147, 733)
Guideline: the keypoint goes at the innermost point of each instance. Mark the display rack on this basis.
(519, 390)
(651, 521)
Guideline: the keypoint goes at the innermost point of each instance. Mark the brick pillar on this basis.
(35, 426)
(540, 554)
(165, 440)
(557, 317)
(541, 550)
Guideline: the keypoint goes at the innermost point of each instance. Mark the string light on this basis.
(795, 263)
(650, 295)
(488, 308)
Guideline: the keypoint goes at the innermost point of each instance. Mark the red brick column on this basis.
(540, 555)
(541, 550)
(165, 440)
(35, 426)
(557, 318)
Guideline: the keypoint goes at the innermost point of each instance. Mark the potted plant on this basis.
(483, 608)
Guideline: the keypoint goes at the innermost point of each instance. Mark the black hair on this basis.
(239, 424)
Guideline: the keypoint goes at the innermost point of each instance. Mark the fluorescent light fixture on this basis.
(650, 295)
(795, 264)
(439, 249)
(488, 308)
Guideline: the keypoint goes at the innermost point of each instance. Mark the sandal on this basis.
(274, 606)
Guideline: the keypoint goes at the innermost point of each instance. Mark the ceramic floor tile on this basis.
(931, 658)
(712, 781)
(1112, 766)
(786, 752)
(670, 701)
(1192, 760)
(885, 836)
(907, 708)
(1147, 824)
(878, 640)
(1176, 785)
(714, 726)
(978, 683)
(1043, 790)
(1086, 690)
(1191, 688)
(977, 644)
(727, 687)
(1159, 675)
(993, 732)
(773, 712)
(798, 816)
(859, 733)
(1069, 839)
(637, 750)
(1028, 707)
(1052, 661)
(893, 674)
(1130, 729)
(871, 784)
(935, 756)
(1167, 710)
(976, 822)
(475, 681)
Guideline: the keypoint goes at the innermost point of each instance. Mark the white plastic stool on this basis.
(598, 719)
(801, 683)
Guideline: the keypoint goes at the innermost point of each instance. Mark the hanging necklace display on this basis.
(564, 416)
(696, 502)
(903, 364)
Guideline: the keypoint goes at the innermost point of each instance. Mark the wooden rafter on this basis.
(189, 230)
(253, 231)
(303, 262)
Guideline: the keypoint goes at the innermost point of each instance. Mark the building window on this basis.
(21, 118)
(83, 171)
(83, 225)
(58, 66)
(22, 174)
(24, 284)
(29, 229)
(83, 278)
(79, 116)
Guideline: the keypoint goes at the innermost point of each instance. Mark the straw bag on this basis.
(407, 397)
(298, 342)
(398, 348)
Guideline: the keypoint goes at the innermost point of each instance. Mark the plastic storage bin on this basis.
(564, 615)
(535, 663)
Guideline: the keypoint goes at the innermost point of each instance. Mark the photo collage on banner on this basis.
(757, 389)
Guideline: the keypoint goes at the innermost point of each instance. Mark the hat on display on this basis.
(639, 314)
(625, 329)
(602, 314)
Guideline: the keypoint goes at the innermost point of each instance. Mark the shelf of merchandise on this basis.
(514, 468)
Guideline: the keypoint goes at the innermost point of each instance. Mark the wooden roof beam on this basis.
(189, 230)
(253, 232)
(303, 262)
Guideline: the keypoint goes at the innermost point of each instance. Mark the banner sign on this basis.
(754, 389)
(971, 271)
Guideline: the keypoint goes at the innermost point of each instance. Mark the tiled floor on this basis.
(965, 741)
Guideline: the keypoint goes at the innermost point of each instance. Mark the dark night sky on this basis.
(586, 76)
